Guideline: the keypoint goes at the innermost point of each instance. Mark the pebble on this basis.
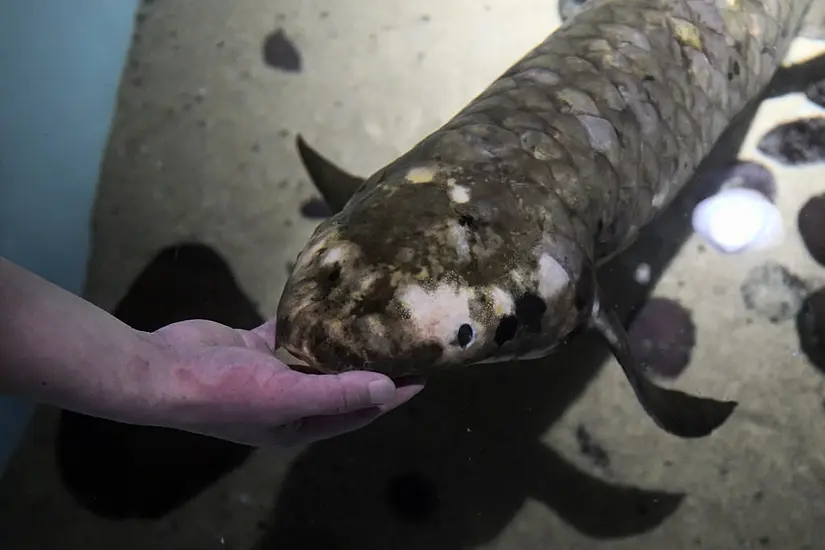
(662, 335)
(811, 225)
(738, 219)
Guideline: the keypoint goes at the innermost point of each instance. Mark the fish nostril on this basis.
(335, 274)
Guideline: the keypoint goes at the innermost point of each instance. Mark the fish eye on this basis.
(465, 335)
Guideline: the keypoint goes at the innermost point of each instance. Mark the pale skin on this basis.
(196, 375)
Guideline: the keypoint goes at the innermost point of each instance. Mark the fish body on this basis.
(480, 244)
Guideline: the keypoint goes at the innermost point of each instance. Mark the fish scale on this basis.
(480, 243)
(667, 100)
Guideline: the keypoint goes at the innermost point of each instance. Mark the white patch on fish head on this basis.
(458, 194)
(421, 174)
(323, 239)
(440, 314)
(517, 277)
(660, 197)
(503, 303)
(334, 255)
(330, 254)
(552, 277)
(458, 237)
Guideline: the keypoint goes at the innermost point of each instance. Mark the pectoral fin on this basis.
(335, 185)
(676, 412)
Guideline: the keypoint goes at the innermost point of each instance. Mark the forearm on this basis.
(57, 348)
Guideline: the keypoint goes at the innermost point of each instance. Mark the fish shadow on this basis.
(451, 468)
(121, 471)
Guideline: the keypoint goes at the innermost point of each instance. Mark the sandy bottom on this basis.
(552, 454)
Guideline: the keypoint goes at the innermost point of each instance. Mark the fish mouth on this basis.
(331, 339)
(317, 331)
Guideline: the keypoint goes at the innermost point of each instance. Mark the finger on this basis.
(253, 342)
(306, 430)
(334, 394)
(403, 393)
(315, 428)
(412, 380)
(266, 332)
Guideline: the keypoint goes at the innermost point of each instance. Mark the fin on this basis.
(676, 412)
(813, 27)
(334, 184)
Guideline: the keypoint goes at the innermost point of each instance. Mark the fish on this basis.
(480, 243)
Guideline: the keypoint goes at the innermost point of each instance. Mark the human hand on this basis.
(226, 383)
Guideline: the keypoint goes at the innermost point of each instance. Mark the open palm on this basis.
(226, 383)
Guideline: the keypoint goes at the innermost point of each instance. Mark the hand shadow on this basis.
(450, 469)
(121, 471)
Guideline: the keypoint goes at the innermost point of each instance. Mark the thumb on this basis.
(326, 394)
(266, 332)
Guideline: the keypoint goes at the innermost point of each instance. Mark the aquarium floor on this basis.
(543, 455)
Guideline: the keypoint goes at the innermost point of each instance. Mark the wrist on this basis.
(135, 390)
(57, 348)
(127, 386)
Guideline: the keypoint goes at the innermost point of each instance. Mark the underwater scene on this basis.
(584, 239)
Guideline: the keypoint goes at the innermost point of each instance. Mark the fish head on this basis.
(412, 277)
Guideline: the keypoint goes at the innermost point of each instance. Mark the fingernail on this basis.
(381, 391)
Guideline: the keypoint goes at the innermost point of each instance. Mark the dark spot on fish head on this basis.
(280, 53)
(465, 335)
(467, 221)
(811, 224)
(412, 497)
(556, 308)
(735, 70)
(530, 310)
(585, 292)
(810, 328)
(795, 143)
(662, 335)
(773, 291)
(506, 329)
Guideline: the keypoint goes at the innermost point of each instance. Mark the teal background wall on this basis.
(60, 67)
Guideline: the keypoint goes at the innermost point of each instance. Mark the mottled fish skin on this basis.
(480, 243)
